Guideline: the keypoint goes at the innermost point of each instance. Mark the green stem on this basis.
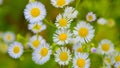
(49, 23)
(77, 3)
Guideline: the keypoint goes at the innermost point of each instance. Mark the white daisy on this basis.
(42, 54)
(1, 1)
(34, 12)
(108, 60)
(3, 47)
(9, 37)
(15, 50)
(62, 37)
(70, 13)
(101, 21)
(60, 3)
(117, 65)
(37, 27)
(62, 22)
(62, 56)
(78, 48)
(116, 55)
(81, 60)
(90, 17)
(36, 41)
(105, 46)
(83, 32)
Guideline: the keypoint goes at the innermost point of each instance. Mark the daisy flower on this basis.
(34, 12)
(81, 60)
(36, 27)
(116, 55)
(62, 37)
(9, 37)
(15, 50)
(78, 48)
(108, 60)
(101, 21)
(90, 17)
(62, 22)
(117, 65)
(62, 56)
(70, 13)
(36, 41)
(3, 47)
(42, 54)
(60, 3)
(1, 1)
(105, 46)
(83, 32)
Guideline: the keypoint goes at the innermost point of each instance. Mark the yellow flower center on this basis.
(117, 58)
(36, 43)
(118, 66)
(62, 22)
(108, 60)
(61, 2)
(81, 63)
(37, 27)
(63, 36)
(80, 49)
(16, 49)
(63, 56)
(83, 32)
(105, 47)
(90, 17)
(9, 37)
(43, 52)
(35, 12)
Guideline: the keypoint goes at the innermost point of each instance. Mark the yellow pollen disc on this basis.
(83, 32)
(81, 63)
(63, 37)
(63, 56)
(16, 49)
(62, 22)
(80, 49)
(119, 66)
(35, 12)
(9, 37)
(105, 47)
(37, 27)
(61, 2)
(90, 17)
(108, 60)
(36, 43)
(43, 52)
(117, 58)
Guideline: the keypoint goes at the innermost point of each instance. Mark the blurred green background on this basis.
(12, 19)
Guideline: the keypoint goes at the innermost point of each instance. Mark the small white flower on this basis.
(62, 37)
(108, 60)
(78, 48)
(116, 55)
(62, 56)
(81, 60)
(70, 13)
(101, 21)
(9, 37)
(15, 50)
(1, 1)
(93, 49)
(83, 32)
(42, 54)
(117, 65)
(62, 22)
(34, 12)
(60, 3)
(36, 41)
(105, 47)
(90, 17)
(37, 27)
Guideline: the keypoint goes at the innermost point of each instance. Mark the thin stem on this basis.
(49, 23)
(77, 3)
